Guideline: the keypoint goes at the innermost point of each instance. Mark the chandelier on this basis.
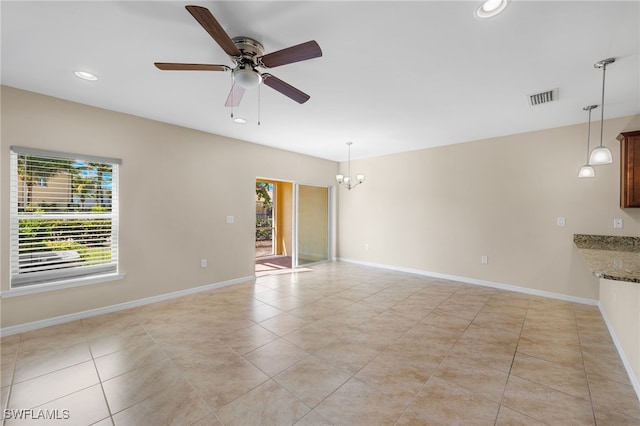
(346, 180)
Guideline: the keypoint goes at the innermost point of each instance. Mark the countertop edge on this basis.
(609, 257)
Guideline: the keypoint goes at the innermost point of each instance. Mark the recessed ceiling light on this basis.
(240, 120)
(491, 8)
(85, 75)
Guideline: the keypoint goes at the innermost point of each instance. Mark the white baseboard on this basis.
(627, 364)
(526, 290)
(21, 328)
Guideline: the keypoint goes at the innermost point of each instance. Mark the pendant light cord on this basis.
(349, 167)
(589, 135)
(604, 69)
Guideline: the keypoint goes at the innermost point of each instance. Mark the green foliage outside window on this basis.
(51, 226)
(263, 229)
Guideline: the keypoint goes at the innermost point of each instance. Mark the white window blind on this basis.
(64, 216)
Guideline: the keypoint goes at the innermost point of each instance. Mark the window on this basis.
(64, 217)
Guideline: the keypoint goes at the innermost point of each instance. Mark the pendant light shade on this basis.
(602, 155)
(588, 171)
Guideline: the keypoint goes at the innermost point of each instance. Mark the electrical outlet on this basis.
(560, 221)
(617, 223)
(617, 263)
(484, 259)
(203, 263)
(230, 219)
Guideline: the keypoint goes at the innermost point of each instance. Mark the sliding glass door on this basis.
(312, 224)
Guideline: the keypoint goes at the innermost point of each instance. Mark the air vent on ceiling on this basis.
(543, 97)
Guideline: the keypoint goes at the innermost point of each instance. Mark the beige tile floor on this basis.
(343, 344)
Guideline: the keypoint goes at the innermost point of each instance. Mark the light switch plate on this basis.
(617, 223)
(560, 221)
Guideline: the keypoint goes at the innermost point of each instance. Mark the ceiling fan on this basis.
(247, 55)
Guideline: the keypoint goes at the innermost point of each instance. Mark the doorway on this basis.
(274, 226)
(292, 225)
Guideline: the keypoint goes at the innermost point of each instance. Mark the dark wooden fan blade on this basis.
(215, 30)
(170, 66)
(300, 52)
(235, 96)
(285, 88)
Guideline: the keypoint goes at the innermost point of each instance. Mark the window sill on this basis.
(58, 285)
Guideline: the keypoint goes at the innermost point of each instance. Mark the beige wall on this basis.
(436, 210)
(439, 210)
(620, 303)
(177, 186)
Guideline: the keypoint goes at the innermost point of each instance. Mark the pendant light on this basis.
(346, 180)
(588, 171)
(602, 154)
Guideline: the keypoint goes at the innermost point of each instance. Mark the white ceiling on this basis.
(394, 76)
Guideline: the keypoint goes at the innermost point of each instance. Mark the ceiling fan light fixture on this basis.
(491, 8)
(247, 78)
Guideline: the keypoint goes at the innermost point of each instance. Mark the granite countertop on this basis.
(611, 257)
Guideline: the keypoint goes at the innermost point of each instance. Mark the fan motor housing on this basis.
(250, 49)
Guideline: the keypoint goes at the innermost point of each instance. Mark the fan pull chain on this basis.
(259, 103)
(233, 101)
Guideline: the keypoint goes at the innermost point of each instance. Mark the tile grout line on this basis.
(584, 367)
(13, 375)
(444, 358)
(471, 322)
(552, 388)
(141, 324)
(50, 372)
(95, 366)
(353, 376)
(513, 360)
(309, 354)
